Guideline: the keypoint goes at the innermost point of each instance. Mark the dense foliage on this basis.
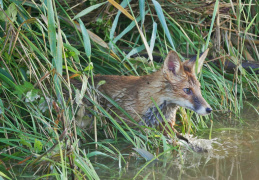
(43, 43)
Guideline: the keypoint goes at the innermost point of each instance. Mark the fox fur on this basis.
(174, 85)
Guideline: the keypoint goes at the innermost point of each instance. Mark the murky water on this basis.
(235, 156)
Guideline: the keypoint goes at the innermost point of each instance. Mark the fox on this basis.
(174, 85)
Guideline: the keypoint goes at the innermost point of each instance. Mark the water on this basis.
(234, 156)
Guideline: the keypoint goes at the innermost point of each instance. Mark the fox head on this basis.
(182, 87)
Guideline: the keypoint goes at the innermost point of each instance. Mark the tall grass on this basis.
(41, 45)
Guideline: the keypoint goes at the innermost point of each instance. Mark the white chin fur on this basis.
(186, 104)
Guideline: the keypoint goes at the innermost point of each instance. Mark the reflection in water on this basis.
(234, 156)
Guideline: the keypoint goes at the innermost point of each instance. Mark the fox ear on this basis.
(190, 64)
(172, 64)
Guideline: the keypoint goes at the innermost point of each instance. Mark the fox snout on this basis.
(208, 110)
(195, 103)
(198, 104)
(204, 110)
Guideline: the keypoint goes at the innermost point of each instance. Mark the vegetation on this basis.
(43, 43)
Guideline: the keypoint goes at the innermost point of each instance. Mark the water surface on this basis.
(235, 156)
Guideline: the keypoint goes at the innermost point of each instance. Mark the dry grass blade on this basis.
(125, 12)
(146, 44)
(97, 39)
(18, 31)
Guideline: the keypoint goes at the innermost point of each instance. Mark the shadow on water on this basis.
(234, 156)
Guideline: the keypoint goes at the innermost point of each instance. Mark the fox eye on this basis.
(187, 90)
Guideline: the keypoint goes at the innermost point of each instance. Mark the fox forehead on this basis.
(192, 80)
(187, 79)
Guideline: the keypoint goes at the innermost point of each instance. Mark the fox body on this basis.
(174, 85)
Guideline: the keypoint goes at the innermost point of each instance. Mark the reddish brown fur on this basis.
(133, 93)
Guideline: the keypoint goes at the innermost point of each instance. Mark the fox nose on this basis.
(208, 110)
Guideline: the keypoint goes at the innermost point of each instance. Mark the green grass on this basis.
(42, 44)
